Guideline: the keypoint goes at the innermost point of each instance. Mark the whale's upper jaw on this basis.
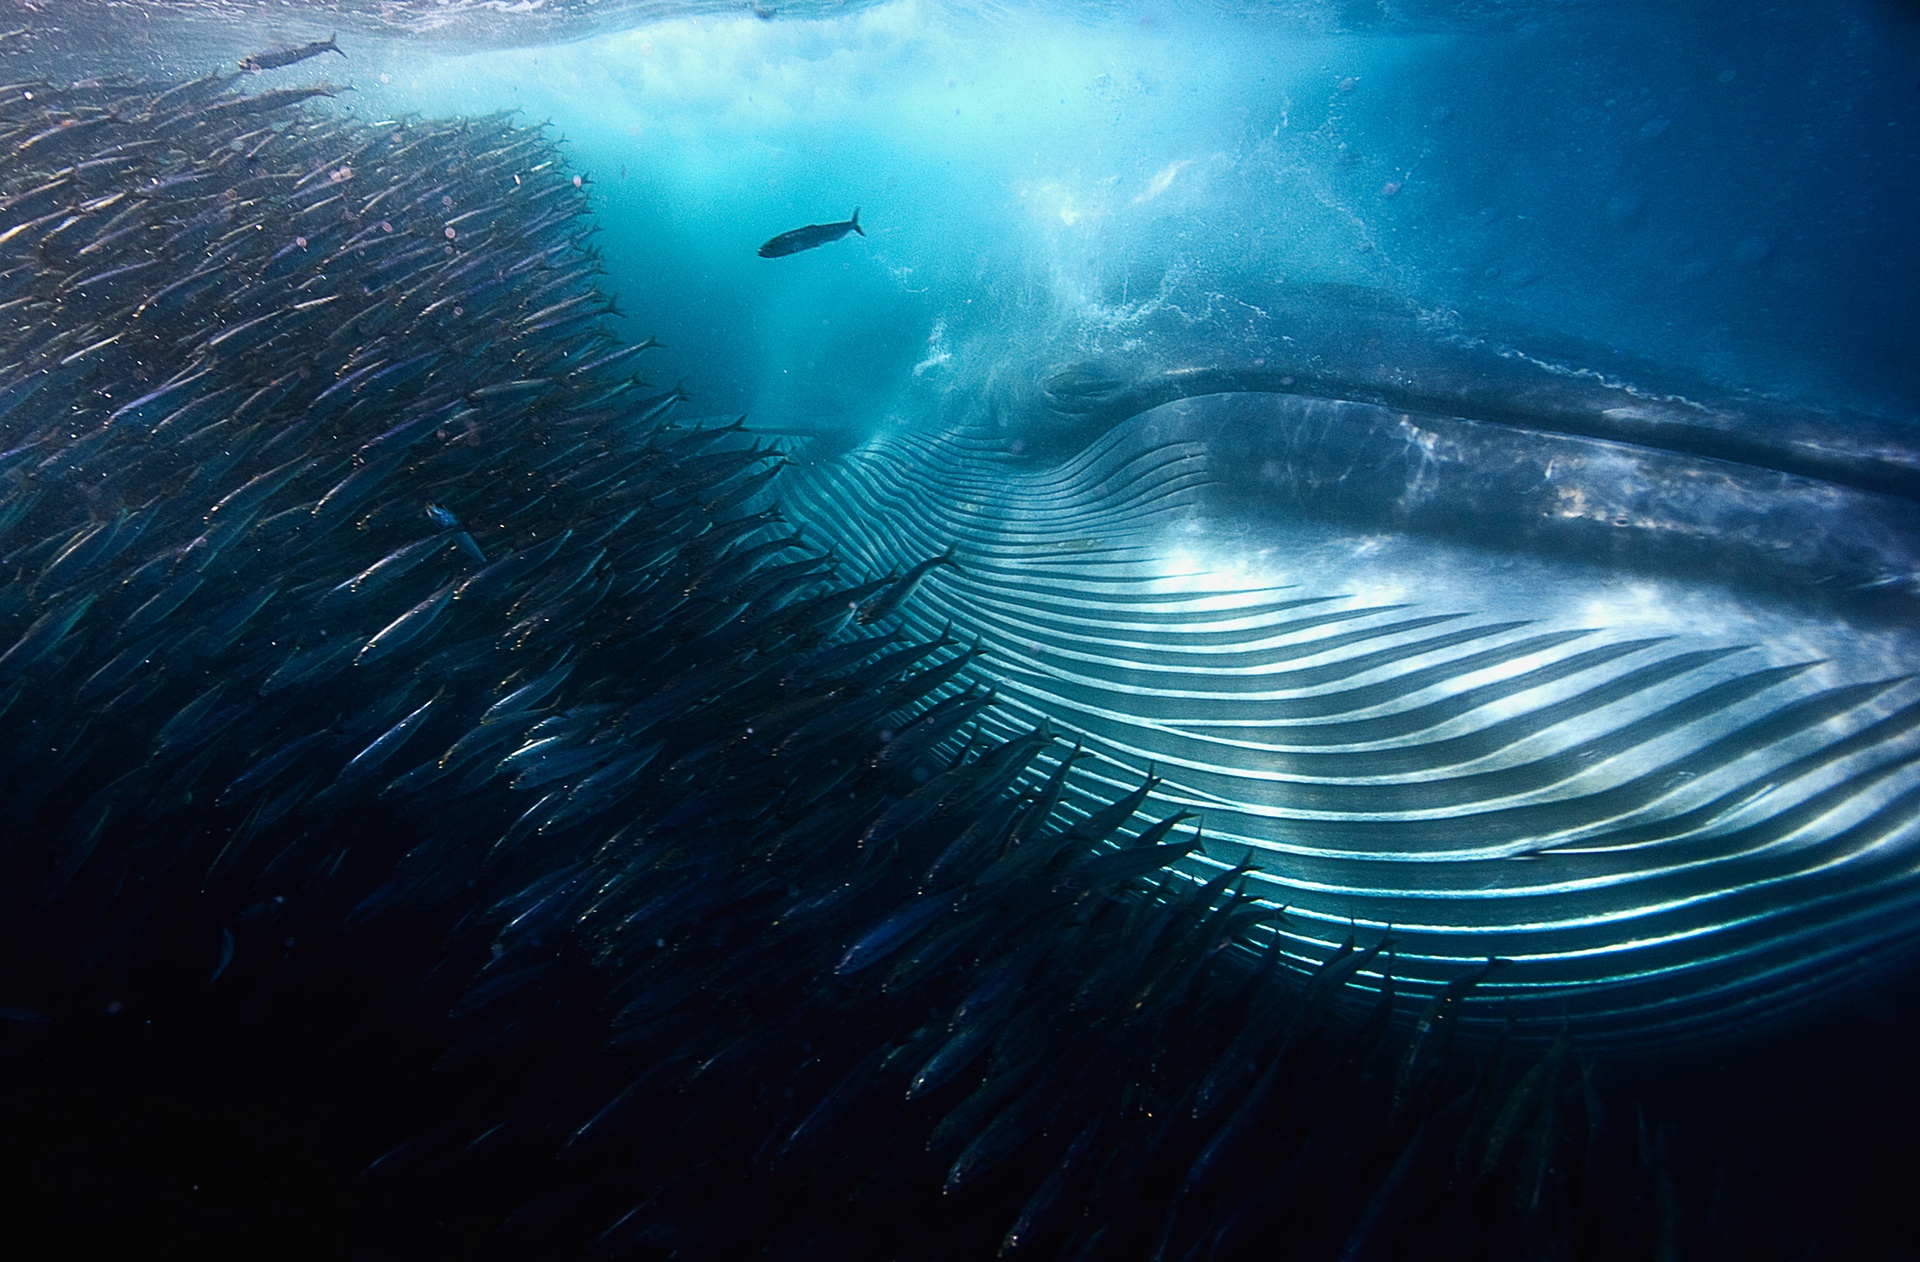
(1374, 412)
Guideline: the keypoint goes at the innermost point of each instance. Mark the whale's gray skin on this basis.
(1640, 719)
(1570, 449)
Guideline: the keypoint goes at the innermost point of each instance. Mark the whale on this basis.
(1525, 653)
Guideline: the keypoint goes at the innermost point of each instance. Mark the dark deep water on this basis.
(1458, 457)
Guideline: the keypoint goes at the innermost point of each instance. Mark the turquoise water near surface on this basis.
(1717, 192)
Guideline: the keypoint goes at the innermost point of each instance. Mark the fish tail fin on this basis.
(332, 46)
(855, 221)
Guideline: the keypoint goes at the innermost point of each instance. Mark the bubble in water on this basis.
(576, 181)
(301, 242)
(450, 234)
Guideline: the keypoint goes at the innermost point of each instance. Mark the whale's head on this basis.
(1512, 655)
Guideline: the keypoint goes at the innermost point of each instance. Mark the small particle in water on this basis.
(235, 145)
(516, 180)
(459, 311)
(115, 1008)
(386, 225)
(446, 200)
(1390, 189)
(451, 234)
(1725, 76)
(386, 78)
(301, 242)
(342, 173)
(576, 181)
(28, 95)
(1349, 83)
(1260, 362)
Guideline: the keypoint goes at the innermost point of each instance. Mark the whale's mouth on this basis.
(1639, 720)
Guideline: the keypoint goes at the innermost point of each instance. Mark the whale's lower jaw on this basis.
(1674, 807)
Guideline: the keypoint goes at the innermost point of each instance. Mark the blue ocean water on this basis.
(1564, 618)
(1725, 190)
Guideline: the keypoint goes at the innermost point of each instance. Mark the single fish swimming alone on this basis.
(278, 57)
(811, 237)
